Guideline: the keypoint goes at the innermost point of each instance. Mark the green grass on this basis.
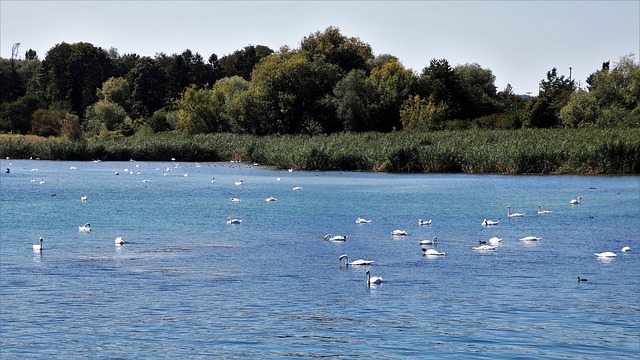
(525, 151)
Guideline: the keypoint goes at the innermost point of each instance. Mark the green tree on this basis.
(440, 82)
(478, 90)
(555, 91)
(149, 82)
(347, 53)
(228, 93)
(116, 90)
(71, 127)
(241, 62)
(422, 114)
(581, 110)
(198, 111)
(354, 97)
(110, 114)
(16, 116)
(47, 122)
(393, 84)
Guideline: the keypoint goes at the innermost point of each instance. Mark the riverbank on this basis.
(524, 151)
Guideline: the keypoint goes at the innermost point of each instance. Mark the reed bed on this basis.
(524, 151)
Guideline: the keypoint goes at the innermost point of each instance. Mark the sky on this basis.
(519, 41)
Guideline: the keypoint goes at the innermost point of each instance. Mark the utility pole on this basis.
(569, 73)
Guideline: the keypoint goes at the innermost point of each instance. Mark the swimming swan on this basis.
(486, 222)
(606, 254)
(576, 201)
(372, 279)
(509, 214)
(359, 262)
(399, 233)
(233, 221)
(83, 198)
(531, 238)
(239, 182)
(234, 199)
(337, 238)
(424, 222)
(625, 249)
(429, 241)
(38, 247)
(484, 248)
(271, 199)
(495, 240)
(362, 221)
(543, 212)
(432, 252)
(119, 241)
(84, 228)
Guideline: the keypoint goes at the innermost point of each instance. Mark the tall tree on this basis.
(241, 62)
(347, 53)
(555, 91)
(149, 87)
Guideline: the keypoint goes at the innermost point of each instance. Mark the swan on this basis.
(576, 201)
(83, 198)
(606, 254)
(429, 242)
(119, 241)
(432, 252)
(424, 222)
(234, 199)
(484, 248)
(495, 240)
(581, 279)
(213, 179)
(362, 221)
(399, 233)
(271, 199)
(38, 247)
(239, 182)
(509, 214)
(531, 238)
(85, 228)
(543, 212)
(296, 188)
(372, 279)
(486, 222)
(359, 262)
(625, 249)
(41, 181)
(337, 238)
(233, 221)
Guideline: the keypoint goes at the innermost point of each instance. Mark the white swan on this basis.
(432, 252)
(531, 238)
(359, 262)
(606, 254)
(213, 179)
(119, 241)
(337, 238)
(424, 222)
(495, 240)
(625, 249)
(296, 188)
(576, 201)
(234, 199)
(362, 221)
(486, 222)
(372, 279)
(83, 198)
(233, 221)
(84, 228)
(239, 182)
(509, 214)
(38, 247)
(271, 199)
(399, 233)
(429, 241)
(543, 212)
(485, 248)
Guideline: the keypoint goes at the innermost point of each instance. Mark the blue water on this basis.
(188, 285)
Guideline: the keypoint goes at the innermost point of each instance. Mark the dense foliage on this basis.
(525, 151)
(330, 84)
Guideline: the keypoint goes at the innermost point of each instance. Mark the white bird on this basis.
(234, 199)
(606, 254)
(41, 181)
(424, 222)
(145, 180)
(372, 279)
(359, 262)
(233, 221)
(625, 249)
(543, 212)
(38, 247)
(486, 222)
(509, 214)
(429, 241)
(213, 179)
(337, 238)
(484, 248)
(362, 221)
(399, 233)
(295, 188)
(495, 240)
(239, 182)
(84, 228)
(432, 252)
(119, 241)
(271, 199)
(531, 238)
(576, 201)
(83, 198)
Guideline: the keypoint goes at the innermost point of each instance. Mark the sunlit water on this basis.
(188, 285)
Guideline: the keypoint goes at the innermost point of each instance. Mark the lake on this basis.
(188, 285)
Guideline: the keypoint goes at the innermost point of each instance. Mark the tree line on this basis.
(331, 83)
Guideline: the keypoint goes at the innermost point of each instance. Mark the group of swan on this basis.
(337, 238)
(359, 262)
(84, 228)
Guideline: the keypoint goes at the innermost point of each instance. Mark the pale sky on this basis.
(519, 41)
